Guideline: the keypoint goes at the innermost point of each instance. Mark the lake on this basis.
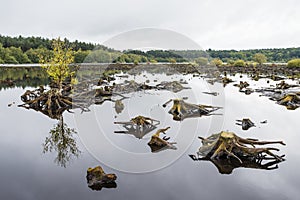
(26, 172)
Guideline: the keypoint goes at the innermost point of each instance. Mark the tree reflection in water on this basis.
(61, 139)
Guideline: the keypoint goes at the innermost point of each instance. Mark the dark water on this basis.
(27, 173)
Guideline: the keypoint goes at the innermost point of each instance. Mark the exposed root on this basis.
(182, 110)
(158, 144)
(228, 151)
(229, 144)
(51, 103)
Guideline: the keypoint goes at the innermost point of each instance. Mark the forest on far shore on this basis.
(20, 50)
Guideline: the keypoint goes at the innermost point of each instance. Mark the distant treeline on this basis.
(272, 55)
(19, 50)
(26, 43)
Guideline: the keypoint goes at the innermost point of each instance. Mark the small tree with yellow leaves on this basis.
(58, 65)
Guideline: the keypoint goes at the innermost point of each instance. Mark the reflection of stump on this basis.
(227, 165)
(119, 106)
(138, 126)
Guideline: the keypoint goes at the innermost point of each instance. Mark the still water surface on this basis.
(27, 173)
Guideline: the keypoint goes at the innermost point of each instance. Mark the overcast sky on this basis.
(216, 24)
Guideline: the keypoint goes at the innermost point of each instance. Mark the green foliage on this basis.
(190, 55)
(10, 60)
(57, 66)
(272, 55)
(98, 56)
(259, 58)
(239, 63)
(294, 63)
(153, 61)
(251, 64)
(229, 61)
(18, 54)
(217, 62)
(26, 50)
(172, 60)
(201, 61)
(142, 57)
(31, 47)
(2, 51)
(131, 58)
(6, 57)
(35, 54)
(164, 56)
(26, 43)
(79, 56)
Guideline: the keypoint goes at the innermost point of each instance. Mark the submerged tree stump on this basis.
(182, 110)
(228, 151)
(97, 179)
(51, 103)
(159, 144)
(228, 144)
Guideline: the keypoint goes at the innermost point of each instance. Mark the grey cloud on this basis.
(213, 24)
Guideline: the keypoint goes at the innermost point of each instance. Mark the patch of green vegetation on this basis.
(111, 72)
(58, 66)
(294, 63)
(217, 62)
(19, 50)
(239, 63)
